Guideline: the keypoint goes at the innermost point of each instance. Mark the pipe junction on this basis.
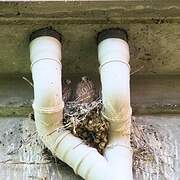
(113, 55)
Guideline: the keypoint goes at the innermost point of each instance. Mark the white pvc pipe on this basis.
(113, 55)
(45, 54)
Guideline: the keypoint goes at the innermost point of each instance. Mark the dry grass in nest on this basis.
(85, 121)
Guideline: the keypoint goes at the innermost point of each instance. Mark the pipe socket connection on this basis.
(113, 55)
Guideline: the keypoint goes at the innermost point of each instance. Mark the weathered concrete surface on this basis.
(91, 12)
(22, 154)
(154, 46)
(153, 29)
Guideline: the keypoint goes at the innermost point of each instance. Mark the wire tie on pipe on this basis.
(57, 144)
(48, 110)
(59, 140)
(120, 146)
(67, 151)
(114, 119)
(76, 170)
(56, 60)
(104, 116)
(114, 61)
(89, 170)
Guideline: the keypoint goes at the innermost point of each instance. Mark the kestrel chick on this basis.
(85, 91)
(66, 90)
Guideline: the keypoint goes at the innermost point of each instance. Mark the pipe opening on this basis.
(112, 33)
(47, 31)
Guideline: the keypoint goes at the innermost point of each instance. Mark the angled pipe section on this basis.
(45, 55)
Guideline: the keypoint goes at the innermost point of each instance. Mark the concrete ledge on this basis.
(91, 12)
(23, 155)
(149, 94)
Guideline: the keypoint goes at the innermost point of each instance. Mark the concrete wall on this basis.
(153, 28)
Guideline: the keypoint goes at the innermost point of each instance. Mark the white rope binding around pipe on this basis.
(113, 54)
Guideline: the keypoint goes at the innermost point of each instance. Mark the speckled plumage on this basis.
(85, 91)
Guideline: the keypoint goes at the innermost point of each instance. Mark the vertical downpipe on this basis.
(113, 55)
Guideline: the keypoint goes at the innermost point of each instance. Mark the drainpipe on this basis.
(113, 55)
(45, 55)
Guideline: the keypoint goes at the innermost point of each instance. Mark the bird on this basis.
(66, 90)
(85, 91)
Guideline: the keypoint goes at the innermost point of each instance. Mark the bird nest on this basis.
(85, 121)
(83, 118)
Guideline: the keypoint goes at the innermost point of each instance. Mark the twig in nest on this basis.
(28, 81)
(84, 121)
(137, 70)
